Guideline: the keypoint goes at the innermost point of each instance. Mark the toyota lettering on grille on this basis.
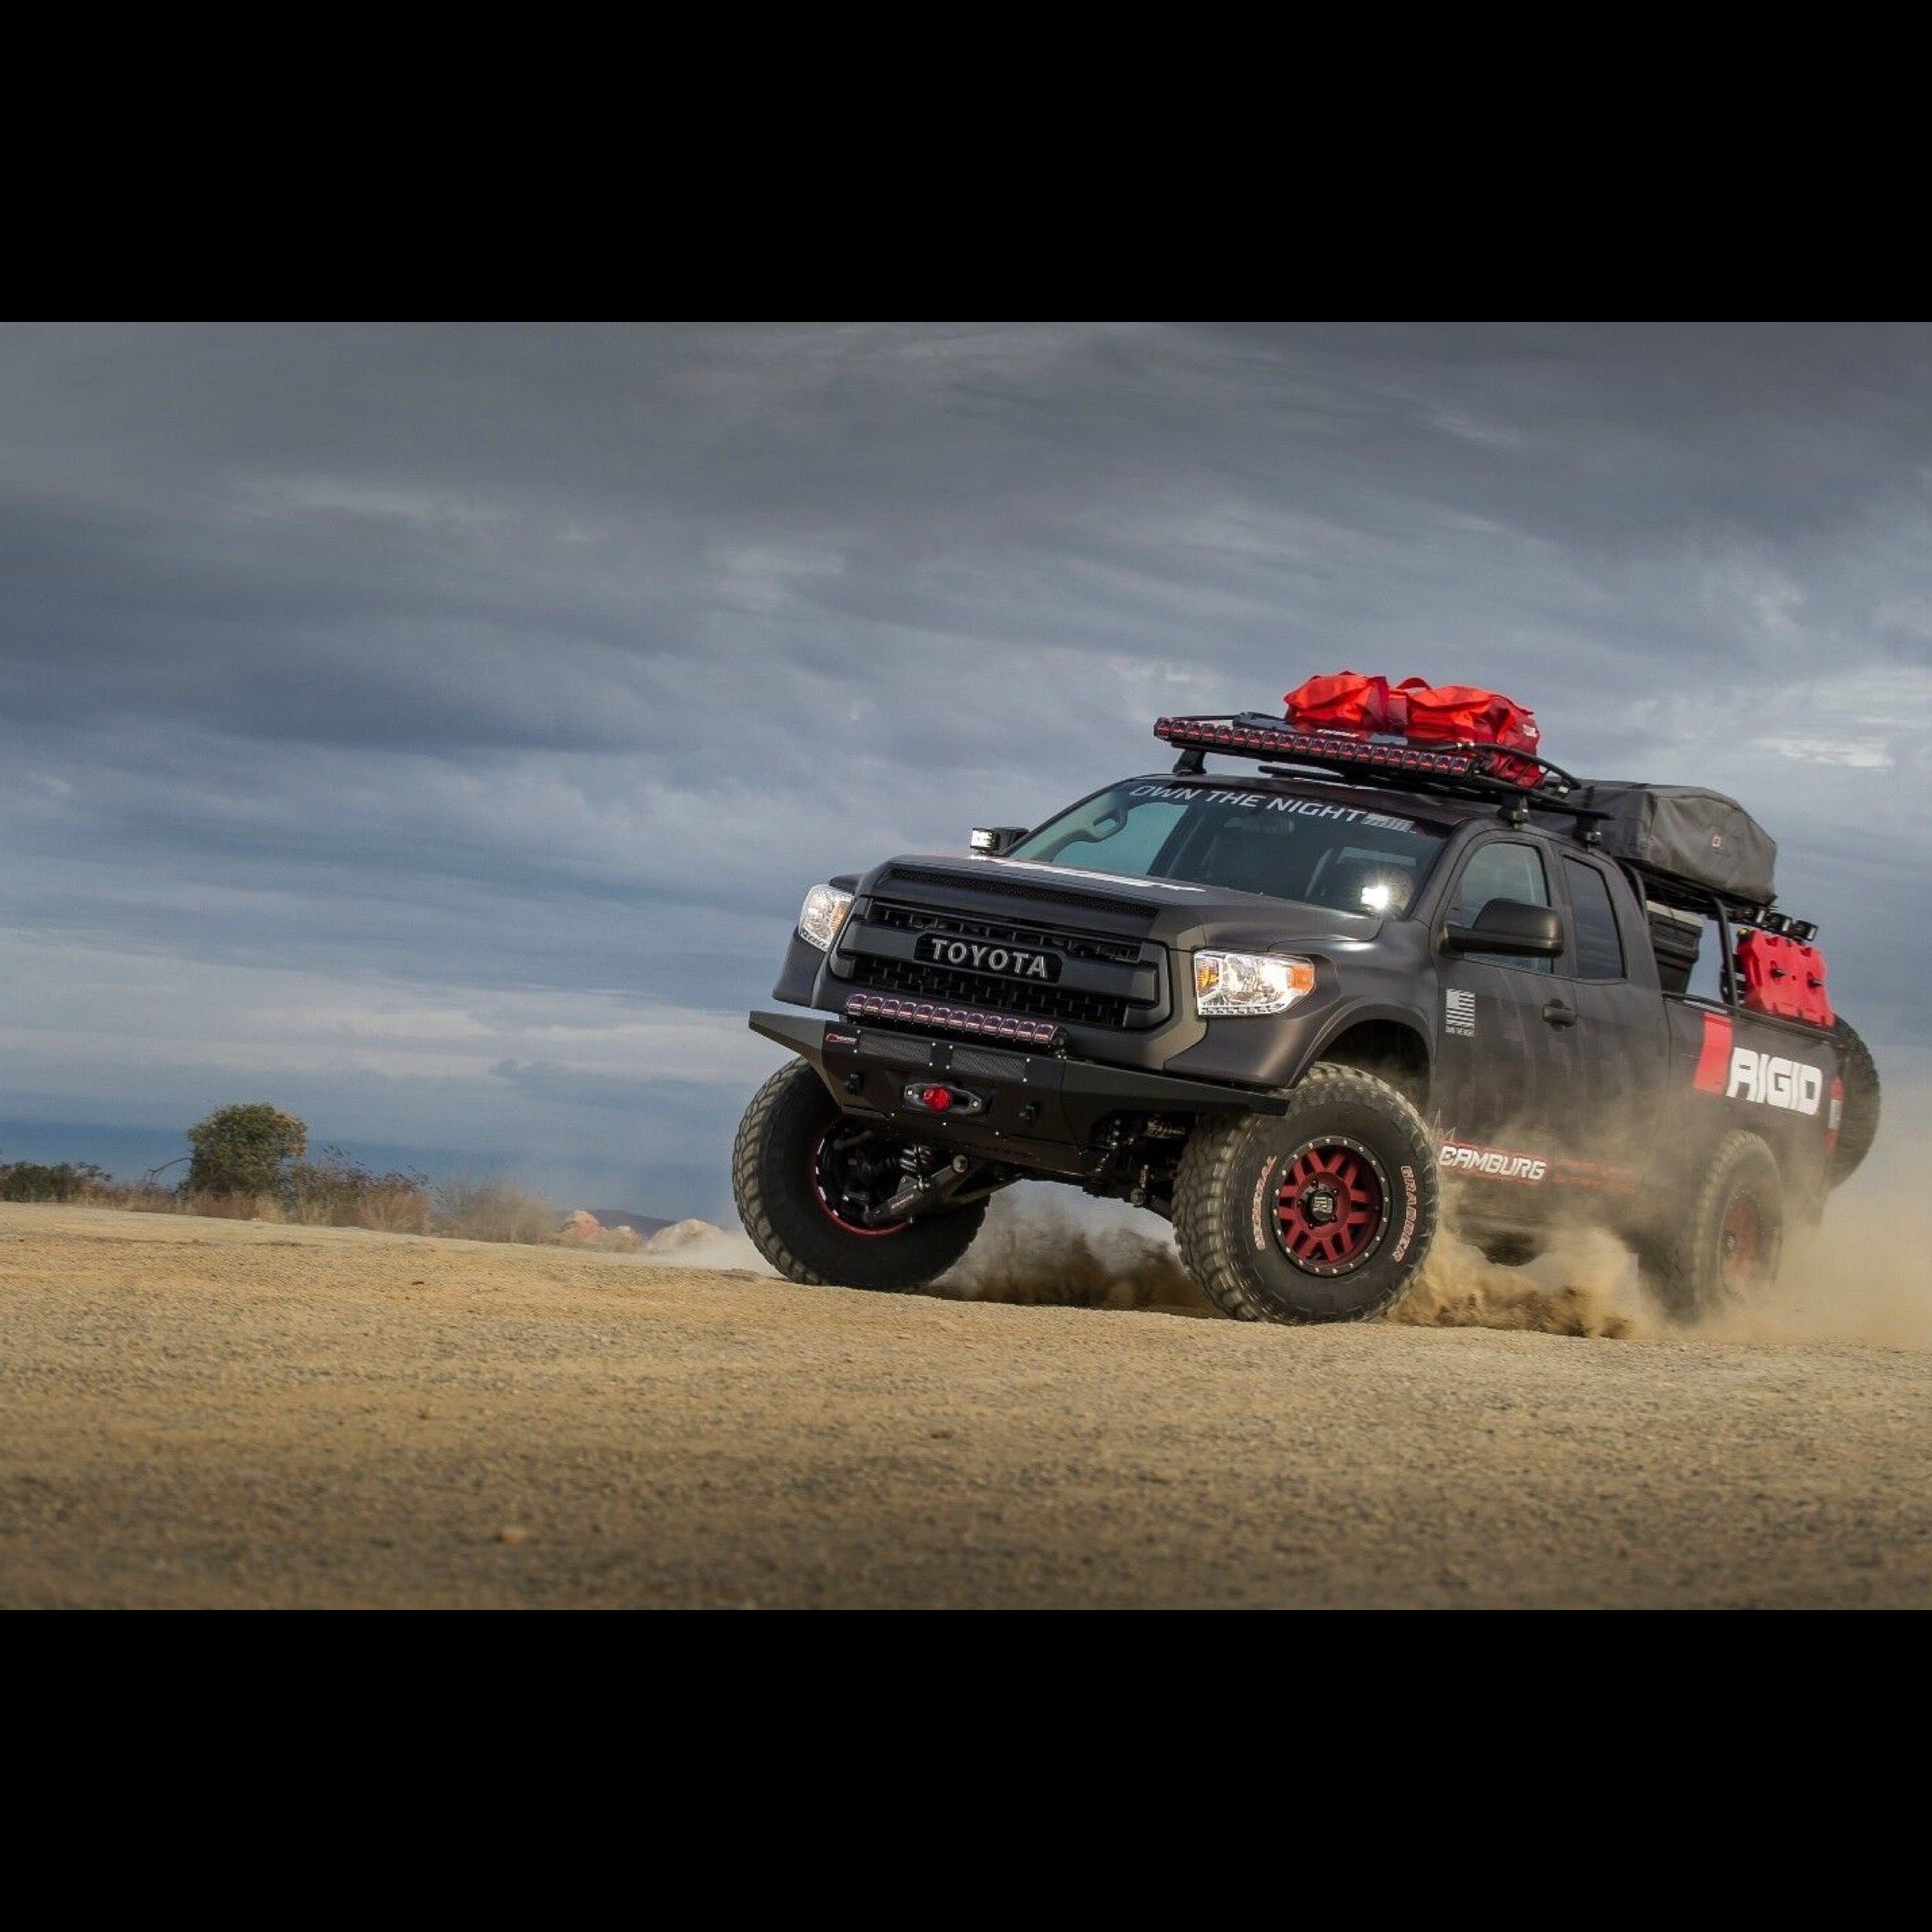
(985, 955)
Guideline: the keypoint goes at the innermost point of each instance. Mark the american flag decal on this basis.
(1458, 1012)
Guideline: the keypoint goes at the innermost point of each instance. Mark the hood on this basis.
(1173, 910)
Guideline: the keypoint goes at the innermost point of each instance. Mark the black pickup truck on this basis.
(1297, 1010)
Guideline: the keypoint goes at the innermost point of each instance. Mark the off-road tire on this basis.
(1228, 1189)
(1858, 1127)
(1685, 1269)
(771, 1180)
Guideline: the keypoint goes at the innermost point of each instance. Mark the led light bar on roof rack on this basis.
(929, 1014)
(1250, 737)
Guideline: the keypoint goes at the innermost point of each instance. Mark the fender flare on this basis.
(1352, 1014)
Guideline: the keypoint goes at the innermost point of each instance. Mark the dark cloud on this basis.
(453, 666)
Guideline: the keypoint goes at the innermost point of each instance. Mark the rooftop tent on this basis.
(1683, 833)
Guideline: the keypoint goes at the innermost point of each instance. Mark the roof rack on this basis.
(1520, 782)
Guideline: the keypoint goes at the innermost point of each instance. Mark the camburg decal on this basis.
(1492, 1163)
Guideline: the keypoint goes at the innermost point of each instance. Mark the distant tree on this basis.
(240, 1149)
(25, 1181)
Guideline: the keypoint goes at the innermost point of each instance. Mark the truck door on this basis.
(1505, 1056)
(1622, 1034)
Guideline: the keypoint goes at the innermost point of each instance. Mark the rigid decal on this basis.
(1492, 1163)
(1458, 1012)
(1772, 1082)
(1742, 1073)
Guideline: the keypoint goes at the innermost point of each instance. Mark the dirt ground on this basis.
(206, 1413)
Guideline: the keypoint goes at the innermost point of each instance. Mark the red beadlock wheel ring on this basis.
(1331, 1208)
(825, 1189)
(1741, 1241)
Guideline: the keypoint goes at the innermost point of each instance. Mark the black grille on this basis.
(1002, 996)
(1074, 945)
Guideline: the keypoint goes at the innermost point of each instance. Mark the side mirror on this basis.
(1511, 927)
(995, 841)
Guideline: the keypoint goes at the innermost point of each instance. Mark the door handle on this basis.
(1559, 1014)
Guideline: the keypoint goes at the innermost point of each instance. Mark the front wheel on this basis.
(803, 1173)
(1324, 1215)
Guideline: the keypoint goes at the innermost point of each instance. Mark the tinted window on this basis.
(1348, 857)
(1501, 870)
(1600, 952)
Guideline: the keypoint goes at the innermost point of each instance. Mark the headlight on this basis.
(1226, 983)
(822, 915)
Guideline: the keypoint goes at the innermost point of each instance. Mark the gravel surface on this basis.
(206, 1413)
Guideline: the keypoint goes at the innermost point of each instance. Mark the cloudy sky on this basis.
(433, 729)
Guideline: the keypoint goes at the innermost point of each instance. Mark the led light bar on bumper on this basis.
(931, 1016)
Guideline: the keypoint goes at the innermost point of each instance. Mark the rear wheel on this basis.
(1729, 1241)
(804, 1173)
(1858, 1126)
(1322, 1216)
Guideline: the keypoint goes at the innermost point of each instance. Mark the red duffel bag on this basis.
(1461, 714)
(1432, 714)
(1346, 702)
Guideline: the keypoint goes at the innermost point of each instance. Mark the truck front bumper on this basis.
(1035, 1110)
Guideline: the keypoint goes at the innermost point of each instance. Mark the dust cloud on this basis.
(1075, 1253)
(1864, 1276)
(1865, 1273)
(717, 1250)
(1046, 1252)
(1585, 1284)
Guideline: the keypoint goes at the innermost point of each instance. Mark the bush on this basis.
(337, 1191)
(141, 1197)
(232, 1206)
(492, 1211)
(240, 1149)
(25, 1181)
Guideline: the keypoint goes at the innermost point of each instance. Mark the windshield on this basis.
(1343, 856)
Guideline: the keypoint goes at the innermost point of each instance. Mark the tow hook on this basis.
(922, 1193)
